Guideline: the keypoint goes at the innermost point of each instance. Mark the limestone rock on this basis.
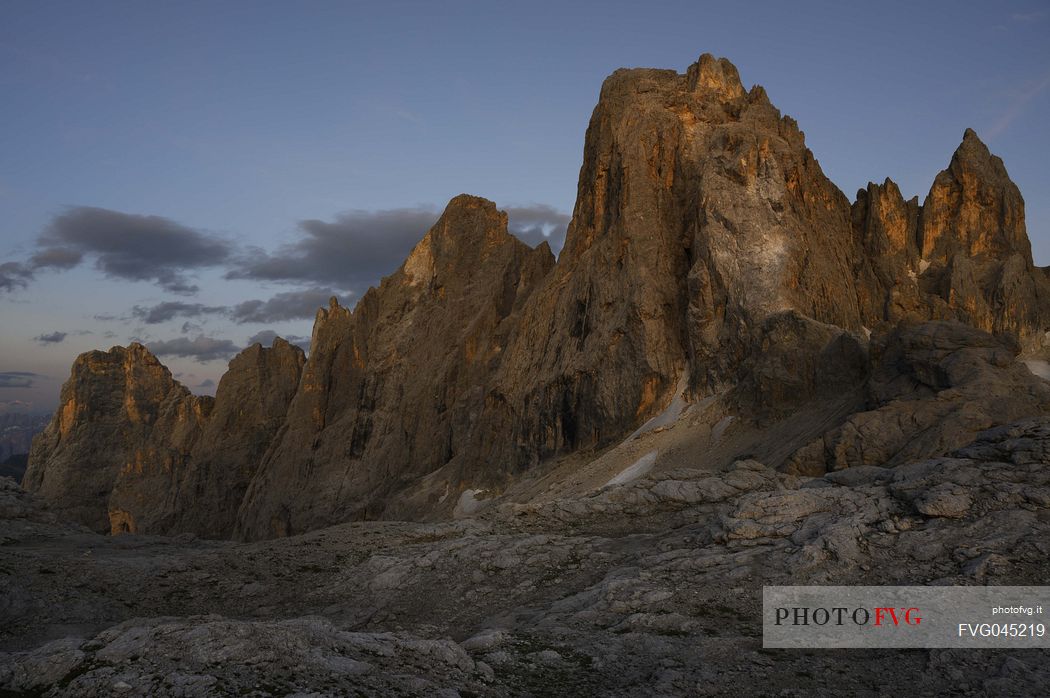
(886, 229)
(973, 208)
(607, 602)
(16, 503)
(122, 418)
(130, 450)
(795, 360)
(933, 388)
(251, 404)
(964, 254)
(700, 214)
(392, 391)
(944, 500)
(973, 235)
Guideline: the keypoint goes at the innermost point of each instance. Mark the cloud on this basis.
(14, 275)
(17, 379)
(51, 337)
(358, 248)
(1017, 106)
(291, 305)
(129, 246)
(266, 337)
(56, 258)
(206, 383)
(1028, 17)
(353, 252)
(16, 404)
(350, 253)
(201, 348)
(162, 312)
(538, 223)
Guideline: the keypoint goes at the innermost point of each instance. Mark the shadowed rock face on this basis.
(933, 388)
(707, 249)
(701, 217)
(251, 404)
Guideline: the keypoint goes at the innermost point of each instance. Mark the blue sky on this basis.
(276, 130)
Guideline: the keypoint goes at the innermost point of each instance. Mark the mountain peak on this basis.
(470, 220)
(972, 149)
(974, 207)
(715, 75)
(468, 228)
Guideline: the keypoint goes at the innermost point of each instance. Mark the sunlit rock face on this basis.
(974, 209)
(964, 254)
(973, 228)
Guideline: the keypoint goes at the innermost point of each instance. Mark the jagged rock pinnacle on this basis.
(974, 208)
(717, 75)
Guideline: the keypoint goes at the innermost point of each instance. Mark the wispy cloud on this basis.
(291, 305)
(538, 223)
(1029, 17)
(201, 348)
(266, 338)
(16, 404)
(14, 275)
(358, 248)
(51, 337)
(1016, 107)
(168, 310)
(17, 379)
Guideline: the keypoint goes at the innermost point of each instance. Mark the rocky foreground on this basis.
(648, 588)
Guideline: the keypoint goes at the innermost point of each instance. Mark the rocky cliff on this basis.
(699, 214)
(963, 254)
(393, 391)
(251, 405)
(123, 431)
(708, 255)
(130, 450)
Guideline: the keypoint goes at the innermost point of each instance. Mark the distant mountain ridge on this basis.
(16, 436)
(705, 239)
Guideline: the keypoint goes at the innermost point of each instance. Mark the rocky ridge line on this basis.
(704, 236)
